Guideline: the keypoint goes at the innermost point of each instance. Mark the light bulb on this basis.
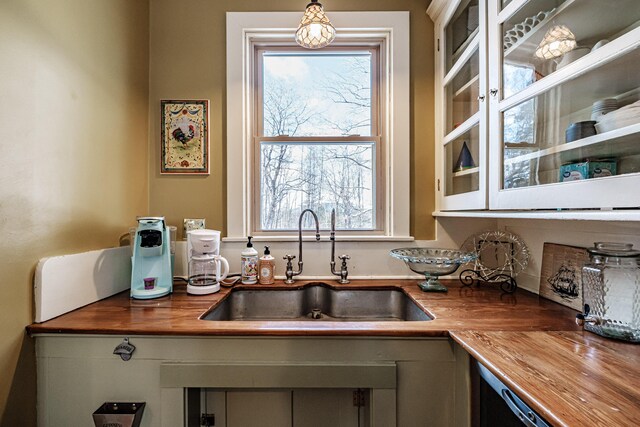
(315, 30)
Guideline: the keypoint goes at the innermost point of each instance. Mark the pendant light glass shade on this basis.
(315, 30)
(558, 41)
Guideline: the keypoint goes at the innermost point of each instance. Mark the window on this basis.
(318, 129)
(318, 139)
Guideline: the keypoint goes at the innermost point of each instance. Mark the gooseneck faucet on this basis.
(289, 272)
(343, 273)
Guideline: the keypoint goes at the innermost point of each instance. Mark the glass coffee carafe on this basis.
(206, 270)
(611, 289)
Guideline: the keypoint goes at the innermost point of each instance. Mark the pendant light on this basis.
(556, 42)
(315, 30)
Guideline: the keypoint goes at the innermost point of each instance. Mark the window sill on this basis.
(323, 238)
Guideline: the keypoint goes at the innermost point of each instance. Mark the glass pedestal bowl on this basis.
(433, 263)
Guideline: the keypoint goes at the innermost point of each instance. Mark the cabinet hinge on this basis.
(358, 398)
(208, 420)
(438, 45)
(438, 185)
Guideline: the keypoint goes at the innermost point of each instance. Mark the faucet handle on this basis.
(344, 272)
(289, 273)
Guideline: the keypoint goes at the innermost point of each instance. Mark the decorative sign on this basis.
(185, 137)
(561, 274)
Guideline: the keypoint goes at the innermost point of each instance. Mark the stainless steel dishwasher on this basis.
(498, 406)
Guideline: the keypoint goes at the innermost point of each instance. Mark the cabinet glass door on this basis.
(464, 110)
(462, 171)
(566, 126)
(545, 36)
(461, 93)
(460, 31)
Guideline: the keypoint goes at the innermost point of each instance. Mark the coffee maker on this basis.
(151, 275)
(206, 267)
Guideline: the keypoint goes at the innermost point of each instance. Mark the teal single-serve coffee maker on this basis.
(151, 275)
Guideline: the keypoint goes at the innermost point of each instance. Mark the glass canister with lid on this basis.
(611, 289)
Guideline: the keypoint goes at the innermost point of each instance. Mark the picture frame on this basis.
(184, 137)
(561, 274)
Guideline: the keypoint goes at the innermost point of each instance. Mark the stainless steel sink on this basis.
(317, 302)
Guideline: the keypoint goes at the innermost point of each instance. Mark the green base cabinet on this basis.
(261, 381)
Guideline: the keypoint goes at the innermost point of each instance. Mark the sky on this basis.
(308, 76)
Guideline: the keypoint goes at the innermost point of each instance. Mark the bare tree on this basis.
(352, 89)
(278, 180)
(350, 178)
(284, 113)
(320, 176)
(351, 175)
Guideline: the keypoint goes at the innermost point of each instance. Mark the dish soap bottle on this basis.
(266, 267)
(249, 264)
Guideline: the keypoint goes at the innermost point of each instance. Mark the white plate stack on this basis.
(602, 107)
(625, 116)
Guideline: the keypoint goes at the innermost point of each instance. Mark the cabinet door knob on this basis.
(481, 98)
(493, 92)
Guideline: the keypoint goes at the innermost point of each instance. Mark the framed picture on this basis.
(561, 274)
(185, 137)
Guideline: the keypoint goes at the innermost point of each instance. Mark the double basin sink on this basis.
(317, 302)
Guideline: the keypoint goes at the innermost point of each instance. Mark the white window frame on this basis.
(244, 29)
(373, 46)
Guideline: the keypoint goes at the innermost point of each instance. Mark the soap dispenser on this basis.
(249, 264)
(266, 266)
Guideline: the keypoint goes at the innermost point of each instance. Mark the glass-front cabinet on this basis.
(462, 114)
(559, 118)
(565, 117)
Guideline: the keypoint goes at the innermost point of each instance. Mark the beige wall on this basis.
(79, 81)
(187, 61)
(73, 144)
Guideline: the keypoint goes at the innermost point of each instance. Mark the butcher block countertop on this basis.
(568, 376)
(483, 308)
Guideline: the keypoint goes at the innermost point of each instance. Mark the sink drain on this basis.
(316, 313)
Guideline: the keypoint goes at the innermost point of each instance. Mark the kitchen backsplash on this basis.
(372, 260)
(575, 233)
